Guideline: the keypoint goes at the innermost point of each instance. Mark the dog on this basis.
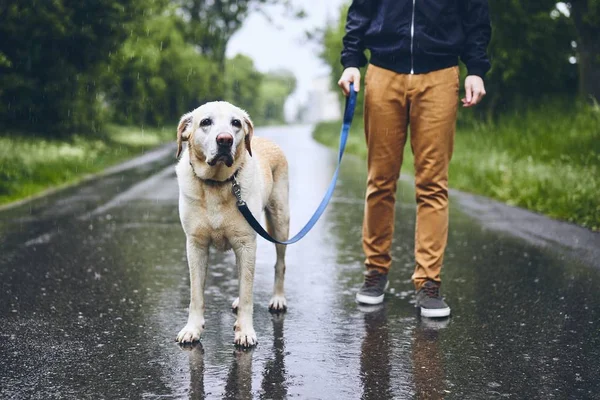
(221, 149)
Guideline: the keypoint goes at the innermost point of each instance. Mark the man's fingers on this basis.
(356, 83)
(469, 93)
(476, 97)
(345, 85)
(350, 75)
(474, 91)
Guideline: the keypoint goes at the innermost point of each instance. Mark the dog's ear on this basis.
(183, 131)
(249, 130)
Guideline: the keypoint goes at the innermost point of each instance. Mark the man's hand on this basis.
(350, 75)
(475, 90)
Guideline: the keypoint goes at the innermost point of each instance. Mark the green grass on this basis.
(31, 164)
(546, 160)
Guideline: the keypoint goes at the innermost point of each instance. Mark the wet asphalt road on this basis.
(94, 288)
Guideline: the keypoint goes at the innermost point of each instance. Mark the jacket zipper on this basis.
(412, 39)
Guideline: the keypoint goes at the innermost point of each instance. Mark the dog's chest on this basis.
(216, 209)
(214, 217)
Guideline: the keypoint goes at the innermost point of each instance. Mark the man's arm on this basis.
(359, 17)
(478, 31)
(353, 53)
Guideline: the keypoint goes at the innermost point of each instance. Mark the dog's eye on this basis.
(236, 123)
(206, 122)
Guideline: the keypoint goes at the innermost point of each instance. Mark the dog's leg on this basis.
(197, 255)
(245, 254)
(278, 224)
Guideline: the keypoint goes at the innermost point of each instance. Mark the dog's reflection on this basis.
(239, 378)
(196, 370)
(274, 384)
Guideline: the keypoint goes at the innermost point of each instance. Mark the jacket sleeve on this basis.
(359, 18)
(478, 31)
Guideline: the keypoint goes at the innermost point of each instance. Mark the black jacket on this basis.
(418, 36)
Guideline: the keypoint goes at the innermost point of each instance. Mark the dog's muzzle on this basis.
(224, 145)
(225, 158)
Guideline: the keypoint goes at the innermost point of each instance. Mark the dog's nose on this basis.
(224, 139)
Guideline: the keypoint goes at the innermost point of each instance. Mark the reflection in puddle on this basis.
(274, 374)
(428, 363)
(196, 371)
(239, 380)
(375, 364)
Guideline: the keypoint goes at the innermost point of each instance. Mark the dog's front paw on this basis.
(245, 336)
(189, 334)
(277, 304)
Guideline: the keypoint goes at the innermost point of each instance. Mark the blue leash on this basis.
(348, 115)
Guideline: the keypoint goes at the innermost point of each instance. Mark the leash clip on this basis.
(237, 192)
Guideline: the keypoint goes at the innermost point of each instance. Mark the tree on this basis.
(213, 23)
(586, 17)
(275, 89)
(243, 85)
(50, 55)
(530, 51)
(156, 76)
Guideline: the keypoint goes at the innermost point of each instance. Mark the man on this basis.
(412, 79)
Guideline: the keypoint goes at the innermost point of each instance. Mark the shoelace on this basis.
(431, 290)
(372, 279)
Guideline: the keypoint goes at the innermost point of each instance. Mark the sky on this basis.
(282, 44)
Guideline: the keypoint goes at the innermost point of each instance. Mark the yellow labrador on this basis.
(220, 148)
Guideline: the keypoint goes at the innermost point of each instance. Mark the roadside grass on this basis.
(545, 159)
(31, 164)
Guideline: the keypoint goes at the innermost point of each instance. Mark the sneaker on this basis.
(431, 303)
(372, 290)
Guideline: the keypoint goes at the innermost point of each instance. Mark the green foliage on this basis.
(586, 18)
(529, 51)
(156, 76)
(213, 23)
(261, 95)
(275, 89)
(546, 159)
(29, 165)
(50, 56)
(243, 81)
(67, 66)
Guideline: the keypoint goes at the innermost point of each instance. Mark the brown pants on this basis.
(429, 103)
